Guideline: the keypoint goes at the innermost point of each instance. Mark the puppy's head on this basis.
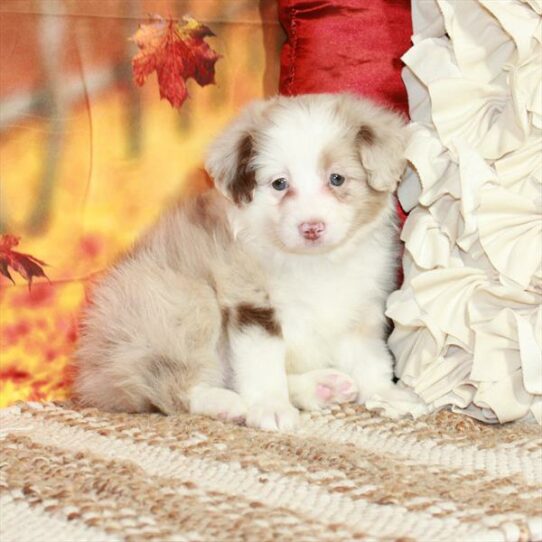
(307, 172)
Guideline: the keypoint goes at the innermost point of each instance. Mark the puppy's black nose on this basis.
(312, 230)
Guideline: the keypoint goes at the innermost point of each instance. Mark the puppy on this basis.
(266, 294)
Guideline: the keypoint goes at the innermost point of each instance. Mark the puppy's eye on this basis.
(336, 180)
(280, 184)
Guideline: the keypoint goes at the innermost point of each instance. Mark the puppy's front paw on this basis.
(321, 388)
(272, 416)
(218, 403)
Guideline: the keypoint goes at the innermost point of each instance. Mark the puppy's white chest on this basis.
(314, 309)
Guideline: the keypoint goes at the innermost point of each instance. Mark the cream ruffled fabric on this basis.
(468, 319)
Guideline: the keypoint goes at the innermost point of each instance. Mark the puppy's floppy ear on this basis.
(229, 156)
(381, 139)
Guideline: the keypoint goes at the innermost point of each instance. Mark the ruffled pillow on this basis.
(468, 319)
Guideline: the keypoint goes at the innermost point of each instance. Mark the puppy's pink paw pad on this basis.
(324, 393)
(318, 389)
(339, 388)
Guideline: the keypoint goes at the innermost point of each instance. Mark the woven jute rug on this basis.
(73, 474)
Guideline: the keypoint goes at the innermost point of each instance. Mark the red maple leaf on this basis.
(176, 53)
(26, 265)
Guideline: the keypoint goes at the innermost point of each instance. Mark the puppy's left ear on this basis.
(381, 140)
(229, 156)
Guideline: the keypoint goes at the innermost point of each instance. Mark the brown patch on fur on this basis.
(244, 182)
(200, 211)
(342, 194)
(373, 204)
(326, 159)
(161, 365)
(207, 211)
(264, 317)
(366, 135)
(357, 192)
(225, 315)
(330, 161)
(168, 384)
(201, 208)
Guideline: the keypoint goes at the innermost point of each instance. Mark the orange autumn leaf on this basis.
(26, 265)
(176, 52)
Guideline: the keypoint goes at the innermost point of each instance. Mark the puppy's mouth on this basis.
(316, 246)
(307, 246)
(313, 243)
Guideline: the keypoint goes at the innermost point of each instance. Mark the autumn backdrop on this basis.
(88, 159)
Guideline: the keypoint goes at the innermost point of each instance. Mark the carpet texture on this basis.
(346, 474)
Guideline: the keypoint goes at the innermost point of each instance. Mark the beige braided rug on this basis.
(72, 475)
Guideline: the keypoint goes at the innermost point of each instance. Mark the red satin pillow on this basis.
(346, 45)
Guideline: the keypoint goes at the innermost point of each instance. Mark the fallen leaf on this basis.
(176, 52)
(26, 265)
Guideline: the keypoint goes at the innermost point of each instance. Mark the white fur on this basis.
(225, 297)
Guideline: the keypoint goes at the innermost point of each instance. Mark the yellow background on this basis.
(91, 160)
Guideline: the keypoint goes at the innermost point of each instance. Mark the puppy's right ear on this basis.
(381, 140)
(230, 155)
